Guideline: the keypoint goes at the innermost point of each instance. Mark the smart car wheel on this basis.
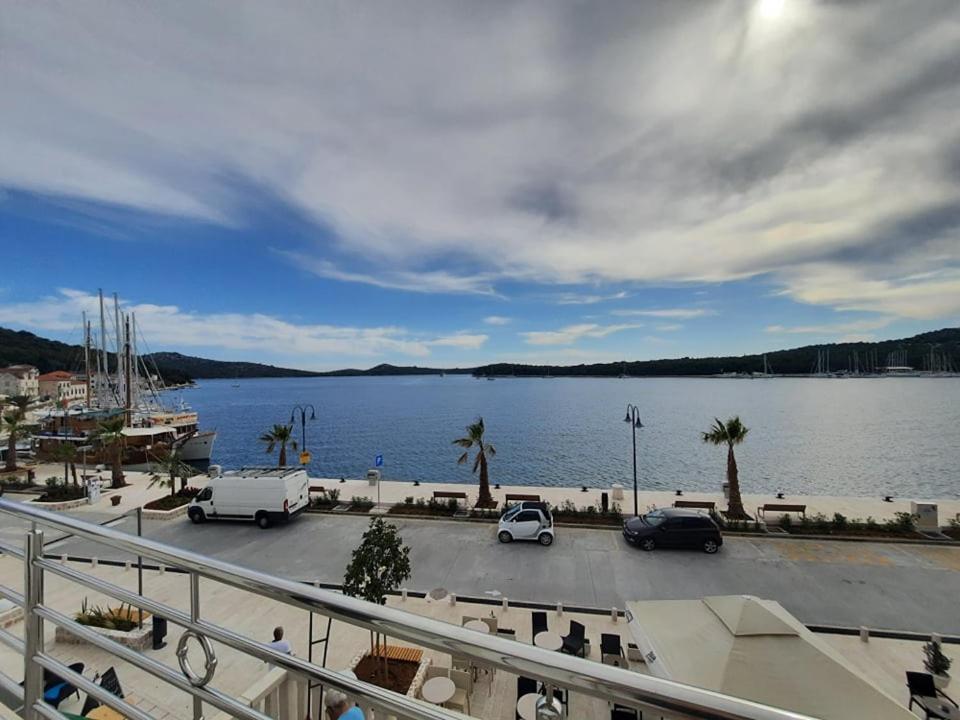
(545, 539)
(504, 536)
(710, 546)
(648, 544)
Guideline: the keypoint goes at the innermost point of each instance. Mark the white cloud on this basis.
(572, 333)
(676, 313)
(851, 328)
(169, 326)
(585, 299)
(578, 152)
(670, 327)
(497, 320)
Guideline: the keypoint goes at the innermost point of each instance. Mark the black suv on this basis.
(673, 528)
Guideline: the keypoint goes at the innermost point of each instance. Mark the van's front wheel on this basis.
(262, 520)
(196, 516)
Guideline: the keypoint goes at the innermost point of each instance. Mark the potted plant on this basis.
(115, 500)
(936, 663)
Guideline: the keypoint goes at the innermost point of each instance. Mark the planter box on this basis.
(165, 514)
(60, 505)
(137, 639)
(414, 690)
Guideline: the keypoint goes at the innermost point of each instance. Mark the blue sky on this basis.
(324, 188)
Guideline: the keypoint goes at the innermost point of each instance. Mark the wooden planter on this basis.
(398, 653)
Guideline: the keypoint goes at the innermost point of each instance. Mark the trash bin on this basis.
(617, 489)
(159, 632)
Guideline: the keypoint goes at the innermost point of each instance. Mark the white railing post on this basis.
(32, 624)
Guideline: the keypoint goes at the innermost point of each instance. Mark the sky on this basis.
(339, 184)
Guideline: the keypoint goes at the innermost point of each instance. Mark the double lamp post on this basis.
(633, 417)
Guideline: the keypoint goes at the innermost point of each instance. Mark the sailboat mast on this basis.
(128, 388)
(119, 347)
(105, 365)
(135, 364)
(86, 353)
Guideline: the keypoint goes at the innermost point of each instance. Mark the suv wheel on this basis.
(545, 539)
(710, 546)
(504, 536)
(648, 544)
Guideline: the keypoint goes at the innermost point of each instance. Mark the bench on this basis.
(781, 508)
(703, 504)
(447, 495)
(317, 489)
(520, 497)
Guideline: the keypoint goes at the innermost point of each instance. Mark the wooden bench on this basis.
(317, 489)
(520, 497)
(781, 508)
(398, 652)
(447, 495)
(702, 504)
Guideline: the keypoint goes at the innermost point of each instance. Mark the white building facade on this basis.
(20, 380)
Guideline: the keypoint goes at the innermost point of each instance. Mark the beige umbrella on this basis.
(754, 649)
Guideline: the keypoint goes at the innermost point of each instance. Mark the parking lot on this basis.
(882, 585)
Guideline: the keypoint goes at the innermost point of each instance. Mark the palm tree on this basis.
(474, 438)
(171, 465)
(66, 453)
(16, 427)
(21, 402)
(109, 435)
(733, 432)
(281, 435)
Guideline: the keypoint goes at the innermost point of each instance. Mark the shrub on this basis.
(839, 522)
(408, 500)
(900, 522)
(121, 618)
(334, 495)
(871, 524)
(361, 503)
(452, 504)
(934, 660)
(786, 522)
(820, 523)
(189, 492)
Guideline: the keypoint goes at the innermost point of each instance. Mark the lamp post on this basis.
(303, 421)
(633, 417)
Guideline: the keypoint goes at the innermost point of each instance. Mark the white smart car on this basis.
(526, 521)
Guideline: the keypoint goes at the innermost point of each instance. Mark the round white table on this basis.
(478, 625)
(548, 640)
(527, 706)
(438, 690)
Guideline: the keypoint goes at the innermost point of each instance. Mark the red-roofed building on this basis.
(63, 387)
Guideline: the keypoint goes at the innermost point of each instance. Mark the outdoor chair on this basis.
(56, 689)
(525, 686)
(463, 681)
(621, 712)
(436, 671)
(467, 618)
(539, 623)
(925, 694)
(574, 642)
(611, 651)
(492, 623)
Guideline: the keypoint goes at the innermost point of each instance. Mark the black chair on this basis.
(525, 686)
(925, 694)
(56, 689)
(539, 623)
(620, 712)
(610, 646)
(574, 642)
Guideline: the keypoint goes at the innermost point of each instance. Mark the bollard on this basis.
(864, 633)
(126, 566)
(453, 598)
(613, 615)
(559, 609)
(403, 595)
(162, 569)
(63, 559)
(94, 562)
(505, 605)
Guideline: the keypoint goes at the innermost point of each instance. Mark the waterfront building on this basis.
(20, 380)
(63, 387)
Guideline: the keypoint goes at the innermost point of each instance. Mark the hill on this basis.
(197, 367)
(914, 351)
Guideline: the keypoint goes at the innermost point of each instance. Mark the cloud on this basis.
(854, 327)
(172, 327)
(572, 333)
(579, 152)
(670, 327)
(436, 281)
(583, 299)
(677, 313)
(497, 320)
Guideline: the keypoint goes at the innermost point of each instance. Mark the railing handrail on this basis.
(591, 678)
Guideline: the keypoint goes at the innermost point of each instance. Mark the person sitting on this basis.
(339, 708)
(279, 644)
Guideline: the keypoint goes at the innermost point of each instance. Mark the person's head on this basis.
(336, 703)
(277, 633)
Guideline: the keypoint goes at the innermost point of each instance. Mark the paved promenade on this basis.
(882, 585)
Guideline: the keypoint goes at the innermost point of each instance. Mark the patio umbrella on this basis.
(754, 649)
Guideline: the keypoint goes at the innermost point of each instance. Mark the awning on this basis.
(754, 649)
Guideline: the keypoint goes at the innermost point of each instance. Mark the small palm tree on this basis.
(66, 453)
(16, 427)
(109, 435)
(21, 403)
(169, 466)
(281, 435)
(733, 432)
(474, 438)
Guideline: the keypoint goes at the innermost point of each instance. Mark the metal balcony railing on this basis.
(656, 696)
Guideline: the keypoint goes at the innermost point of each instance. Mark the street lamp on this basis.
(633, 417)
(303, 422)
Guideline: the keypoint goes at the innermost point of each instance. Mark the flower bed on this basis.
(172, 502)
(57, 493)
(429, 508)
(119, 624)
(567, 512)
(403, 676)
(901, 525)
(326, 500)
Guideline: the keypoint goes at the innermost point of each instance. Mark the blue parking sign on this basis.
(378, 461)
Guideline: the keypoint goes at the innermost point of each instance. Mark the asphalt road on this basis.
(902, 587)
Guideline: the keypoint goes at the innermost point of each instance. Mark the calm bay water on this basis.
(898, 436)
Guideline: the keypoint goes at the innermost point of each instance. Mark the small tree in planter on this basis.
(379, 565)
(936, 663)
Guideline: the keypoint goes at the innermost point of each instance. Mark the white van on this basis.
(266, 495)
